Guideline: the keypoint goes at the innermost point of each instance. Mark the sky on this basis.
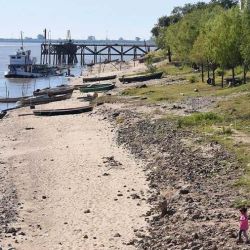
(101, 18)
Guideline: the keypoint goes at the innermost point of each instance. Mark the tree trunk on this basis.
(233, 73)
(208, 71)
(202, 72)
(222, 79)
(169, 55)
(245, 74)
(213, 76)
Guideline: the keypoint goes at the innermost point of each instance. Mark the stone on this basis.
(117, 235)
(87, 211)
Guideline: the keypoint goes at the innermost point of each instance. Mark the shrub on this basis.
(193, 79)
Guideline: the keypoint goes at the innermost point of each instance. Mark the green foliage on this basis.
(193, 79)
(214, 34)
(199, 119)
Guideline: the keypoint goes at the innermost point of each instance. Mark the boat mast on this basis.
(22, 40)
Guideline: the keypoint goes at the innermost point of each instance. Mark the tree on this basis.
(227, 31)
(245, 42)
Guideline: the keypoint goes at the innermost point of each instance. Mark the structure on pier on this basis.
(70, 53)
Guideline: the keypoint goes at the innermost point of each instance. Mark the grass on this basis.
(199, 119)
(180, 91)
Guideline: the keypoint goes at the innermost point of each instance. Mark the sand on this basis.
(70, 196)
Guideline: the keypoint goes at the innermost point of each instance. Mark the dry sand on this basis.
(70, 196)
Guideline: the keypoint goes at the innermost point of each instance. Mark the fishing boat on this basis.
(99, 78)
(11, 99)
(140, 78)
(23, 66)
(54, 91)
(66, 111)
(2, 114)
(42, 99)
(97, 87)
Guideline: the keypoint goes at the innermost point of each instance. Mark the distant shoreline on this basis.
(15, 40)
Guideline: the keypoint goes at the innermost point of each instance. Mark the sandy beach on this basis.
(75, 187)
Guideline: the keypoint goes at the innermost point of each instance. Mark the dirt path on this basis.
(71, 196)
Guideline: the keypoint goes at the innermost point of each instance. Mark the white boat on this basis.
(22, 66)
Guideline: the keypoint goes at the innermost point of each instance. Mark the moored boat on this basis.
(140, 78)
(54, 91)
(2, 114)
(99, 78)
(66, 111)
(97, 87)
(12, 99)
(42, 99)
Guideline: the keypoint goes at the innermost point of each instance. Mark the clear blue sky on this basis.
(101, 18)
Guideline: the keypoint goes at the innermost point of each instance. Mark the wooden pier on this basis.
(71, 53)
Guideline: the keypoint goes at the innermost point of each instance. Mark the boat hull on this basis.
(140, 78)
(97, 88)
(2, 114)
(54, 91)
(101, 78)
(43, 99)
(69, 111)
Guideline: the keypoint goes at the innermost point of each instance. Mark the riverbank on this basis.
(93, 181)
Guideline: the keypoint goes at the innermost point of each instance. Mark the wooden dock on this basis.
(71, 53)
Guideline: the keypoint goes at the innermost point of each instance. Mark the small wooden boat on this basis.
(54, 91)
(66, 111)
(97, 87)
(140, 78)
(99, 78)
(12, 99)
(2, 114)
(42, 99)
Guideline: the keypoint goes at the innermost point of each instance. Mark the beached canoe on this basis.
(97, 87)
(66, 111)
(99, 78)
(54, 91)
(12, 99)
(2, 114)
(42, 99)
(140, 78)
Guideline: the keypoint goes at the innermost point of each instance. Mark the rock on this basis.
(196, 90)
(115, 114)
(44, 197)
(87, 211)
(85, 236)
(195, 236)
(117, 235)
(11, 230)
(135, 196)
(29, 128)
(184, 191)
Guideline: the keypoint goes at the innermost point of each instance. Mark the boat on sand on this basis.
(99, 78)
(54, 91)
(140, 78)
(42, 99)
(2, 114)
(65, 111)
(97, 87)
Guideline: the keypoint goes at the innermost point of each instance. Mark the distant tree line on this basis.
(212, 35)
